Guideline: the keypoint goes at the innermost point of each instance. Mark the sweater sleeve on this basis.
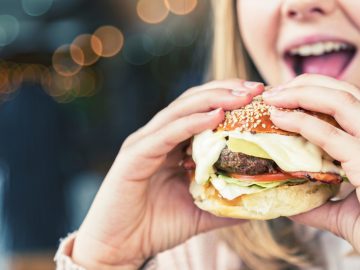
(64, 261)
(63, 255)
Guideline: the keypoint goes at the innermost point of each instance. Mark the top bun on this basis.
(255, 118)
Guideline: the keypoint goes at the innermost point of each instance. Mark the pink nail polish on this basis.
(276, 112)
(240, 93)
(252, 85)
(272, 91)
(269, 94)
(213, 112)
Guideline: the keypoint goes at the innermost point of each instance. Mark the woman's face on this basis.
(289, 37)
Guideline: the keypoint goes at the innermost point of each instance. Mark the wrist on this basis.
(92, 254)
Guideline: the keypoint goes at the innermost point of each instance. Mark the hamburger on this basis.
(249, 168)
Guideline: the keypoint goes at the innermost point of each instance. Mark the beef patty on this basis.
(244, 164)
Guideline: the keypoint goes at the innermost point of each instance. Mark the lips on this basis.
(330, 58)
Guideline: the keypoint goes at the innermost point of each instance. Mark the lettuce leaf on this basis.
(261, 184)
(231, 188)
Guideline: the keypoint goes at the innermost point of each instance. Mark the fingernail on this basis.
(276, 112)
(272, 91)
(252, 85)
(240, 93)
(216, 111)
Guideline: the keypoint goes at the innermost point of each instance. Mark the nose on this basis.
(307, 9)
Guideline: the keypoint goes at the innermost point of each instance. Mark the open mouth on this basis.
(330, 58)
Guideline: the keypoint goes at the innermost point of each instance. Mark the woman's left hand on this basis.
(342, 101)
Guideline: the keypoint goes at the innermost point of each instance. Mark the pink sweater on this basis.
(208, 251)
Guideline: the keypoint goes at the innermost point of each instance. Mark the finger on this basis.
(151, 150)
(202, 101)
(338, 217)
(337, 143)
(343, 106)
(164, 140)
(233, 84)
(324, 81)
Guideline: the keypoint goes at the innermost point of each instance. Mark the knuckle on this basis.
(128, 141)
(234, 80)
(189, 123)
(191, 89)
(168, 143)
(330, 135)
(304, 76)
(133, 137)
(301, 117)
(347, 98)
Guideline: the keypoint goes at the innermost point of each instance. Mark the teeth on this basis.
(318, 48)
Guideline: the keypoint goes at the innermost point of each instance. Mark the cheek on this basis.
(352, 8)
(258, 22)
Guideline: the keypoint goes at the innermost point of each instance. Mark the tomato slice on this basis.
(330, 178)
(271, 177)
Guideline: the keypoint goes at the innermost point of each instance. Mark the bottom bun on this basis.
(286, 200)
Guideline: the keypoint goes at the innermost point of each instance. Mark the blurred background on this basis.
(76, 78)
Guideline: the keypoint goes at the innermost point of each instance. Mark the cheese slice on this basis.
(291, 153)
(206, 148)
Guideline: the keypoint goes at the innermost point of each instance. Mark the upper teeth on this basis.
(318, 48)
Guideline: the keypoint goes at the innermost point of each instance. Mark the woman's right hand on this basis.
(144, 206)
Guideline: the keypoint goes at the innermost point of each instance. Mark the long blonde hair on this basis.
(255, 242)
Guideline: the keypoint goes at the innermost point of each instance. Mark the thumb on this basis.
(209, 222)
(341, 218)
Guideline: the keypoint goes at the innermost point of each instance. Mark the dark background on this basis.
(59, 134)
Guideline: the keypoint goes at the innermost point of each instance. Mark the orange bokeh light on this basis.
(181, 7)
(59, 86)
(111, 40)
(87, 83)
(46, 78)
(4, 78)
(83, 49)
(15, 76)
(31, 72)
(63, 63)
(152, 11)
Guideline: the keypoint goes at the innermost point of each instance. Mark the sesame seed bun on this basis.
(285, 200)
(255, 118)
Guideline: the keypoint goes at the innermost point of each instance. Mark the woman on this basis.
(144, 207)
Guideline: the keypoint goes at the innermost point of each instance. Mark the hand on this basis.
(144, 206)
(341, 100)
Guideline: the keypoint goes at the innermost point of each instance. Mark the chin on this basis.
(248, 168)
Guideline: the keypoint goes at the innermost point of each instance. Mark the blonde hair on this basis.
(255, 241)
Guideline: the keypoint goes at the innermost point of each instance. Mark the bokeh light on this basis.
(31, 73)
(62, 60)
(87, 83)
(61, 87)
(181, 7)
(152, 11)
(46, 78)
(9, 29)
(4, 78)
(15, 72)
(111, 38)
(36, 7)
(82, 51)
(134, 50)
